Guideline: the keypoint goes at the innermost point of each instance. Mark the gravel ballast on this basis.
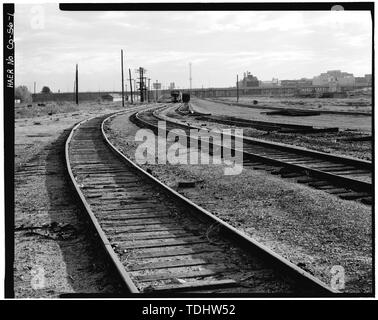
(311, 228)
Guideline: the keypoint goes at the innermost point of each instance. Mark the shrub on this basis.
(46, 90)
(22, 93)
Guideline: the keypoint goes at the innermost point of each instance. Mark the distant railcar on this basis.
(185, 97)
(176, 95)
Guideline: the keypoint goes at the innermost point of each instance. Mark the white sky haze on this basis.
(219, 44)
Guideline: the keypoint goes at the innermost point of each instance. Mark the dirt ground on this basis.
(311, 228)
(351, 104)
(351, 122)
(55, 252)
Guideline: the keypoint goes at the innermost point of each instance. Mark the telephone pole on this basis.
(123, 85)
(77, 85)
(141, 84)
(34, 86)
(148, 90)
(142, 88)
(131, 87)
(237, 88)
(135, 90)
(156, 91)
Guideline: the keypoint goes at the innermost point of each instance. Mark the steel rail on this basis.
(241, 104)
(354, 184)
(281, 146)
(241, 238)
(104, 240)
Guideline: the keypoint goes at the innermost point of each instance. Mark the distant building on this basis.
(333, 85)
(368, 79)
(303, 82)
(348, 81)
(342, 79)
(360, 81)
(171, 86)
(363, 81)
(248, 81)
(269, 84)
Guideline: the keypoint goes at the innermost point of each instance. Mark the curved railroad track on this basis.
(346, 177)
(161, 242)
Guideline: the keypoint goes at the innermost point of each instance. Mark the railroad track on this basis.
(161, 242)
(266, 126)
(345, 177)
(255, 106)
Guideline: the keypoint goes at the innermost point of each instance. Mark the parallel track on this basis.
(161, 242)
(252, 106)
(265, 126)
(345, 177)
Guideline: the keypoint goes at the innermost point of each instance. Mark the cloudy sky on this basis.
(220, 44)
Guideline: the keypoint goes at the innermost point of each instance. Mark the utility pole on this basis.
(237, 88)
(123, 85)
(190, 75)
(142, 87)
(34, 86)
(156, 91)
(135, 89)
(148, 90)
(131, 87)
(77, 85)
(145, 88)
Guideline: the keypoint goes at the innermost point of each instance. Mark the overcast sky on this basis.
(284, 45)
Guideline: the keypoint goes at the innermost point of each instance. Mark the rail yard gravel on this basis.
(311, 228)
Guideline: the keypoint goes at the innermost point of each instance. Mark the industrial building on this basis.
(249, 81)
(303, 82)
(334, 77)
